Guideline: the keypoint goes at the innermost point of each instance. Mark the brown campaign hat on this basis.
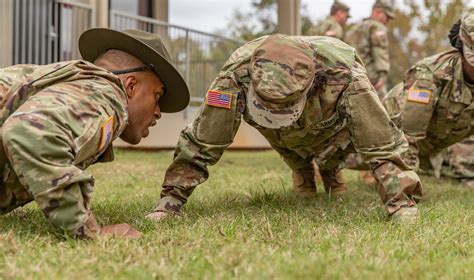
(147, 47)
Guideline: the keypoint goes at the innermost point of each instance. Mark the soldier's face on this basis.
(468, 71)
(341, 16)
(144, 90)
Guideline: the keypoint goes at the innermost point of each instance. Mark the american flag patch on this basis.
(419, 95)
(219, 99)
(107, 132)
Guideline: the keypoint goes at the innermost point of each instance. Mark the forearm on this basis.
(189, 167)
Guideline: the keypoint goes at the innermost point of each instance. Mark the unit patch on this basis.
(107, 130)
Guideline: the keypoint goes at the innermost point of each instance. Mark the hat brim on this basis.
(276, 117)
(94, 42)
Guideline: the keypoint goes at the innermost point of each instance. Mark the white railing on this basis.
(42, 31)
(198, 55)
(47, 31)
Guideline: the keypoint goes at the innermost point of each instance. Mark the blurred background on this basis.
(200, 35)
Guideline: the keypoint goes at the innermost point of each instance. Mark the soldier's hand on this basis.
(157, 216)
(121, 231)
(379, 84)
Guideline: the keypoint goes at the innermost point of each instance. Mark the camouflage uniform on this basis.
(328, 27)
(56, 120)
(370, 39)
(325, 115)
(445, 119)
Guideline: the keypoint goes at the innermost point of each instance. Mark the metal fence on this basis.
(42, 31)
(47, 31)
(198, 55)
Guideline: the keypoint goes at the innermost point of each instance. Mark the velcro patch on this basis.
(219, 98)
(380, 33)
(107, 130)
(419, 95)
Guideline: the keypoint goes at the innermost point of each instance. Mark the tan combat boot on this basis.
(333, 182)
(406, 215)
(367, 177)
(304, 181)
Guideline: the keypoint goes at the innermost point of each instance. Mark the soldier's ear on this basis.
(130, 83)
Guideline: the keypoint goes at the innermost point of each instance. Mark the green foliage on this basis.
(419, 30)
(245, 223)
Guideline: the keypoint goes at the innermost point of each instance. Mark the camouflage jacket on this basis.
(435, 106)
(56, 120)
(328, 27)
(370, 39)
(342, 112)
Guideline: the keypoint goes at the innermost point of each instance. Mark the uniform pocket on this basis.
(215, 125)
(370, 125)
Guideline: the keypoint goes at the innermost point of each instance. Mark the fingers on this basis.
(157, 216)
(121, 231)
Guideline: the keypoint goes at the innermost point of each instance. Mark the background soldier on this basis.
(333, 25)
(435, 105)
(58, 119)
(308, 96)
(370, 39)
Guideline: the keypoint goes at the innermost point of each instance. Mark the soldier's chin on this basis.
(130, 139)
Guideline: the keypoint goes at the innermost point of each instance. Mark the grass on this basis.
(244, 222)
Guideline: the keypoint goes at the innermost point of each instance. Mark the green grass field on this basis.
(244, 222)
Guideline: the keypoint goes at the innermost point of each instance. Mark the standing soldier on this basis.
(310, 98)
(370, 39)
(333, 25)
(435, 105)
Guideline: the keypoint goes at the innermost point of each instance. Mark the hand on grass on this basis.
(157, 216)
(121, 231)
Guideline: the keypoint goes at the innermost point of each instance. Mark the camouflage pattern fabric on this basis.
(458, 161)
(444, 119)
(328, 27)
(56, 120)
(370, 39)
(341, 111)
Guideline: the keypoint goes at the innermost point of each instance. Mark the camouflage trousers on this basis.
(457, 162)
(12, 193)
(395, 187)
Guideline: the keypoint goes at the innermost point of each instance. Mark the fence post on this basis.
(6, 32)
(188, 64)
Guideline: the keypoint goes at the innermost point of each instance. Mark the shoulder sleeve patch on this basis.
(218, 98)
(380, 33)
(419, 95)
(107, 130)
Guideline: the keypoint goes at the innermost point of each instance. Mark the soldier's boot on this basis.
(406, 215)
(333, 182)
(468, 183)
(367, 177)
(304, 181)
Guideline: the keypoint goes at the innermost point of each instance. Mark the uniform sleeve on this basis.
(379, 43)
(416, 115)
(42, 140)
(398, 184)
(201, 144)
